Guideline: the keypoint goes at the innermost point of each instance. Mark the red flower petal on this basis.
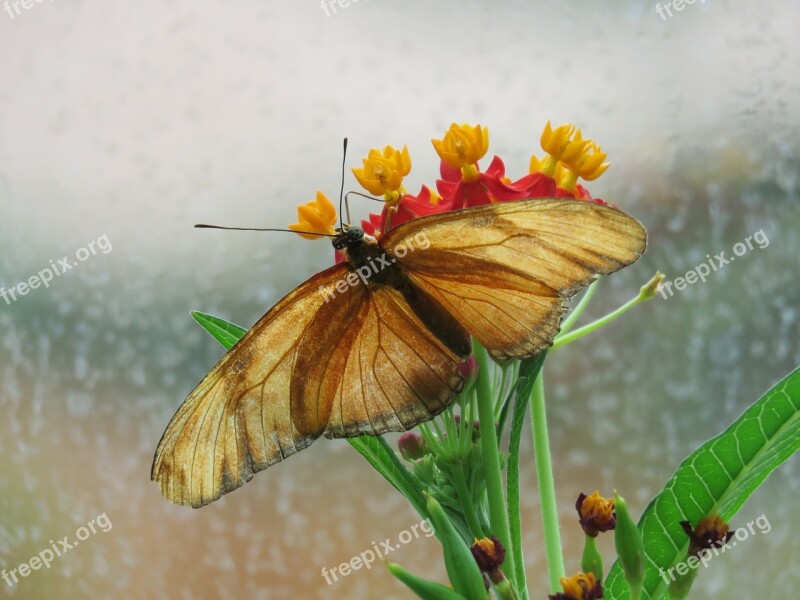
(449, 173)
(410, 207)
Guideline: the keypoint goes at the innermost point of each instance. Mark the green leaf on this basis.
(375, 449)
(224, 332)
(528, 371)
(427, 590)
(716, 478)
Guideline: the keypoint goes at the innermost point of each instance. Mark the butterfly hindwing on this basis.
(503, 270)
(239, 419)
(397, 373)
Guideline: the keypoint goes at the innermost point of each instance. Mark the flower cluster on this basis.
(454, 464)
(447, 459)
(462, 184)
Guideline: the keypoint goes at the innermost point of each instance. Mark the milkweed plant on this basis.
(461, 474)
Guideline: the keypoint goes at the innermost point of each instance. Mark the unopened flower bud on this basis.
(650, 289)
(468, 369)
(412, 446)
(630, 549)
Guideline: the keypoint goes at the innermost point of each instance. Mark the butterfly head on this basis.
(348, 236)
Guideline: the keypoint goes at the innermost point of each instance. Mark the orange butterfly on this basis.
(345, 355)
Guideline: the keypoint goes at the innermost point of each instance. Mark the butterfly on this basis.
(374, 344)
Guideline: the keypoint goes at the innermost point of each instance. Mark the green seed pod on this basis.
(592, 560)
(462, 570)
(630, 550)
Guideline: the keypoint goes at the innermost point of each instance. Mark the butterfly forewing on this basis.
(503, 270)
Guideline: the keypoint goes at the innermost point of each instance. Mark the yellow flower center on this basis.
(462, 146)
(383, 171)
(598, 506)
(578, 586)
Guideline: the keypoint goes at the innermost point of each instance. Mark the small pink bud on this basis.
(412, 446)
(468, 369)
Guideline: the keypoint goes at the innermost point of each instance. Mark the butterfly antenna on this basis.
(341, 190)
(204, 226)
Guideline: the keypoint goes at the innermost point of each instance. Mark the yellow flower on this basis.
(562, 143)
(462, 147)
(596, 514)
(537, 166)
(569, 156)
(383, 172)
(589, 163)
(581, 587)
(489, 554)
(317, 216)
(709, 532)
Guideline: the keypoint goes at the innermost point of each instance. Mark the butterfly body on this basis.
(374, 344)
(364, 255)
(375, 266)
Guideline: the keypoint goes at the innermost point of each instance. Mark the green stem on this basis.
(431, 439)
(562, 340)
(498, 518)
(465, 499)
(547, 488)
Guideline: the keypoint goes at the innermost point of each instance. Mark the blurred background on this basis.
(134, 121)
